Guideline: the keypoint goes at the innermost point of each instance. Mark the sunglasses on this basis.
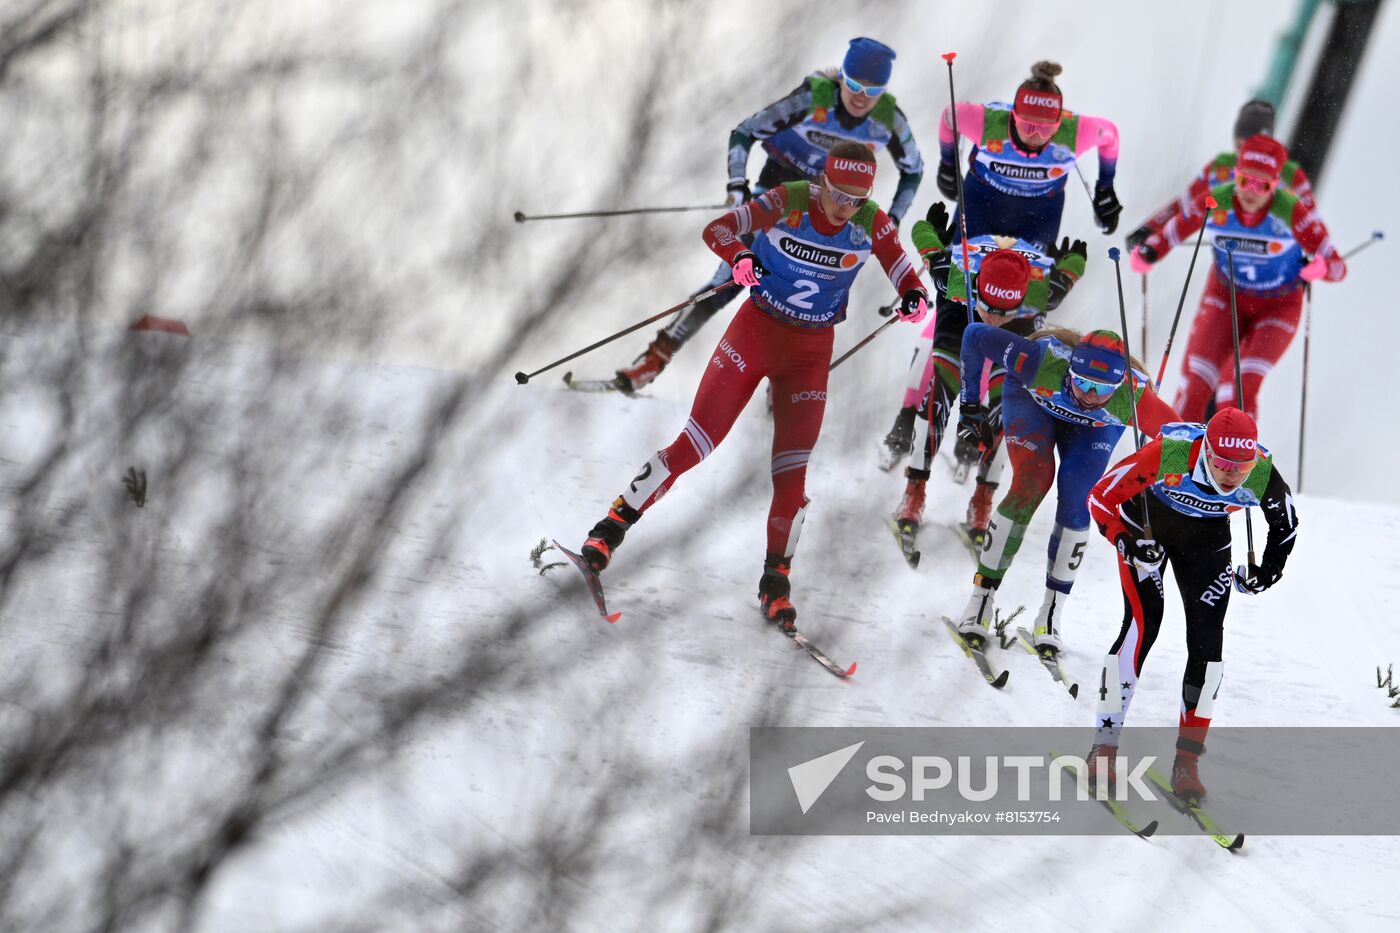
(1089, 386)
(1253, 183)
(840, 197)
(855, 87)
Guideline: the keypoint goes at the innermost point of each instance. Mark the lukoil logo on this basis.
(976, 780)
(1005, 294)
(1039, 100)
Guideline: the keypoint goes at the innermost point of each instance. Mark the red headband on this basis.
(852, 173)
(1038, 106)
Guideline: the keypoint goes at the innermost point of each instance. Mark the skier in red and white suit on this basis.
(1280, 245)
(809, 241)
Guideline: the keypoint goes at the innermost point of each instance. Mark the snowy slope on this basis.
(629, 739)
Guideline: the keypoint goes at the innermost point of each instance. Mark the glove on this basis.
(1145, 553)
(1106, 208)
(1138, 237)
(913, 307)
(948, 180)
(1060, 282)
(941, 223)
(1140, 260)
(1256, 579)
(1067, 248)
(748, 270)
(738, 193)
(1314, 270)
(973, 432)
(938, 271)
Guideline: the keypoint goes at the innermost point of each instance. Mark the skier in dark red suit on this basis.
(1280, 244)
(809, 241)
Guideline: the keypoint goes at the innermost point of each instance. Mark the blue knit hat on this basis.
(1099, 356)
(868, 61)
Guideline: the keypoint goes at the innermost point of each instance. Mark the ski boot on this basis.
(899, 442)
(911, 510)
(1102, 760)
(1048, 623)
(1186, 781)
(979, 512)
(774, 588)
(607, 535)
(648, 366)
(979, 613)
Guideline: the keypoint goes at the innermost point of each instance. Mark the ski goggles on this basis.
(855, 87)
(1089, 386)
(1253, 183)
(1035, 128)
(1228, 466)
(840, 197)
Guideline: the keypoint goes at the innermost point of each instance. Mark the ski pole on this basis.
(1143, 349)
(521, 217)
(1375, 235)
(868, 337)
(523, 378)
(1239, 380)
(1114, 255)
(1084, 181)
(1181, 303)
(957, 174)
(1303, 403)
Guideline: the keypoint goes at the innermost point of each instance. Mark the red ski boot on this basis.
(648, 366)
(774, 588)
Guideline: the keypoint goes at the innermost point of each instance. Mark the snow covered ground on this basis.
(456, 741)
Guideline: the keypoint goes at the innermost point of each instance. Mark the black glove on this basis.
(910, 303)
(948, 180)
(941, 223)
(973, 432)
(1138, 237)
(938, 271)
(1107, 208)
(1144, 552)
(1256, 579)
(1060, 283)
(1146, 251)
(1067, 248)
(738, 193)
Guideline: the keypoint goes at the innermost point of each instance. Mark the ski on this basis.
(591, 385)
(1049, 659)
(1230, 842)
(820, 657)
(907, 540)
(1119, 812)
(978, 656)
(970, 540)
(590, 578)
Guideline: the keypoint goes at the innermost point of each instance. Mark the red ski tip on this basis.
(614, 617)
(1211, 202)
(949, 56)
(850, 670)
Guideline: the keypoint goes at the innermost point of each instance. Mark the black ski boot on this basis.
(774, 588)
(607, 535)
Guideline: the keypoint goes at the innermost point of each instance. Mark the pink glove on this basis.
(1138, 262)
(913, 307)
(747, 270)
(1314, 270)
